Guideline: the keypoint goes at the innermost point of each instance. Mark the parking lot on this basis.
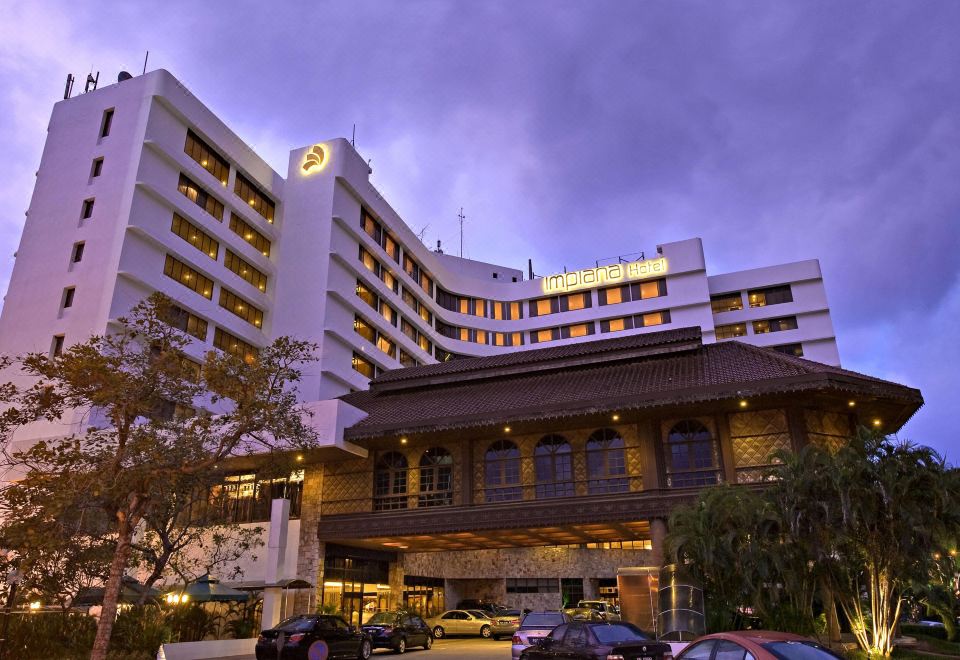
(460, 648)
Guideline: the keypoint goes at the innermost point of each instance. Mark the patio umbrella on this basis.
(130, 592)
(207, 589)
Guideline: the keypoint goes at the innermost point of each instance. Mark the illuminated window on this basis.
(364, 329)
(425, 343)
(407, 360)
(391, 247)
(578, 330)
(390, 482)
(547, 334)
(390, 280)
(606, 463)
(616, 325)
(208, 159)
(464, 307)
(543, 306)
(386, 346)
(575, 301)
(380, 235)
(651, 318)
(516, 339)
(501, 472)
(369, 262)
(367, 296)
(650, 289)
(726, 302)
(234, 345)
(516, 311)
(388, 313)
(731, 330)
(633, 292)
(499, 339)
(481, 336)
(240, 307)
(796, 350)
(774, 295)
(692, 455)
(250, 235)
(613, 295)
(188, 277)
(247, 498)
(775, 325)
(200, 197)
(436, 478)
(363, 366)
(553, 467)
(195, 236)
(245, 270)
(183, 320)
(252, 195)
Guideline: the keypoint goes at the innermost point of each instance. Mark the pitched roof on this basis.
(638, 371)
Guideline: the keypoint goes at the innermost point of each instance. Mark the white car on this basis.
(607, 611)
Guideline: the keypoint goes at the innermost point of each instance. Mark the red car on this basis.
(755, 645)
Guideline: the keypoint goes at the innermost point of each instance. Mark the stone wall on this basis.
(310, 556)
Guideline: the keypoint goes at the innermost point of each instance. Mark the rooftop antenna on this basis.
(68, 89)
(91, 81)
(145, 58)
(353, 137)
(461, 217)
(422, 232)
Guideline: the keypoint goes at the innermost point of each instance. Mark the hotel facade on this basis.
(141, 189)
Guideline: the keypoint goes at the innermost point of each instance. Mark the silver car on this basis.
(606, 610)
(461, 622)
(534, 627)
(506, 623)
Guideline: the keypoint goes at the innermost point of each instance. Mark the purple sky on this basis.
(775, 131)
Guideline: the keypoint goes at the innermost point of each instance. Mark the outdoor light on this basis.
(403, 441)
(616, 418)
(35, 605)
(851, 403)
(506, 429)
(299, 457)
(876, 422)
(743, 403)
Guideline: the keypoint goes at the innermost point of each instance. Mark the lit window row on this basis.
(417, 337)
(761, 327)
(188, 277)
(636, 321)
(796, 350)
(183, 320)
(478, 306)
(372, 335)
(632, 292)
(200, 197)
(372, 264)
(239, 227)
(380, 235)
(245, 270)
(733, 301)
(234, 345)
(381, 306)
(208, 159)
(195, 236)
(248, 191)
(417, 306)
(555, 304)
(563, 332)
(363, 366)
(240, 307)
(413, 269)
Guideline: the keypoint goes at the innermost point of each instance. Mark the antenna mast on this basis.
(461, 217)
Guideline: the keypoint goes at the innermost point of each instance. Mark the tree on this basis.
(127, 381)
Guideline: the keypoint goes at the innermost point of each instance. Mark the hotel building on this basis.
(141, 188)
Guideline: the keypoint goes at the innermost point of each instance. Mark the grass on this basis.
(937, 645)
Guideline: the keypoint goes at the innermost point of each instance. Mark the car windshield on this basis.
(480, 614)
(591, 605)
(547, 621)
(297, 624)
(618, 633)
(799, 651)
(381, 618)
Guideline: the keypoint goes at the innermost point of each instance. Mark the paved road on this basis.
(450, 649)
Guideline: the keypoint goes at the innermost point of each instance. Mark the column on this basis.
(658, 533)
(273, 571)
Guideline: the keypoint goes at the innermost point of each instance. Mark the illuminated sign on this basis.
(612, 274)
(315, 159)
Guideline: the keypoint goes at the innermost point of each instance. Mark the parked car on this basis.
(398, 631)
(324, 635)
(583, 614)
(461, 622)
(534, 626)
(605, 609)
(597, 641)
(760, 644)
(487, 606)
(505, 623)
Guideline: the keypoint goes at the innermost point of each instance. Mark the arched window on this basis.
(692, 455)
(553, 467)
(501, 472)
(606, 463)
(436, 477)
(390, 482)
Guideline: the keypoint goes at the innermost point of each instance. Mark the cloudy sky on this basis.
(569, 131)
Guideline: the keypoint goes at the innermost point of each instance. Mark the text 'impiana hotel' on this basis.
(141, 188)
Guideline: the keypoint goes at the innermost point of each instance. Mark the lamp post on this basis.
(13, 579)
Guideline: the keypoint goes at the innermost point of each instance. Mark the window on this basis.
(571, 590)
(436, 478)
(727, 650)
(774, 295)
(188, 277)
(106, 123)
(553, 467)
(374, 266)
(380, 235)
(367, 296)
(181, 319)
(544, 306)
(387, 346)
(731, 330)
(414, 303)
(250, 235)
(446, 356)
(200, 197)
(547, 334)
(632, 292)
(701, 651)
(246, 498)
(195, 236)
(390, 482)
(364, 329)
(407, 360)
(363, 366)
(388, 313)
(413, 269)
(506, 310)
(692, 455)
(209, 159)
(233, 345)
(796, 350)
(534, 586)
(651, 318)
(87, 209)
(726, 302)
(775, 325)
(616, 325)
(251, 194)
(67, 300)
(578, 330)
(502, 472)
(239, 266)
(56, 350)
(606, 463)
(240, 307)
(97, 168)
(77, 254)
(507, 338)
(574, 301)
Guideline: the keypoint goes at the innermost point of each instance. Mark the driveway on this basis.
(445, 649)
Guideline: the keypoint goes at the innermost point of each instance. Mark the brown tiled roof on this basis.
(673, 368)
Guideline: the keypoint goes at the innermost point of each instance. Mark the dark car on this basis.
(480, 604)
(317, 634)
(597, 641)
(398, 631)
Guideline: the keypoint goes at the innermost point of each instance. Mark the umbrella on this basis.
(130, 592)
(208, 589)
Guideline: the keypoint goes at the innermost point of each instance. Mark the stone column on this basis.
(273, 571)
(658, 532)
(310, 550)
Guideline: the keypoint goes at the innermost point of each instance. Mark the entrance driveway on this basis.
(454, 649)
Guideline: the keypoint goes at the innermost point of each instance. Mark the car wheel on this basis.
(401, 646)
(485, 632)
(438, 632)
(366, 650)
(429, 643)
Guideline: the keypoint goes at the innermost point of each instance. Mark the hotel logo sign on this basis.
(316, 158)
(612, 274)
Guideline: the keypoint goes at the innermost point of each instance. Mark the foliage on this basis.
(141, 631)
(50, 635)
(130, 385)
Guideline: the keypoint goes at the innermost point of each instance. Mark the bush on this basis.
(139, 632)
(46, 635)
(913, 630)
